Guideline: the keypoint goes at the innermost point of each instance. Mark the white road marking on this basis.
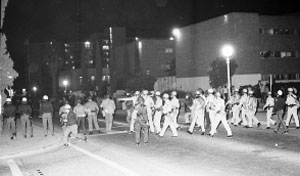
(14, 168)
(112, 164)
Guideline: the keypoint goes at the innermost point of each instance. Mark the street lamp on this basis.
(176, 33)
(34, 88)
(65, 83)
(227, 52)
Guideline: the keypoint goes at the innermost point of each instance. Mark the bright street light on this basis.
(176, 32)
(227, 51)
(34, 88)
(65, 83)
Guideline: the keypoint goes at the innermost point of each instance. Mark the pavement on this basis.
(39, 143)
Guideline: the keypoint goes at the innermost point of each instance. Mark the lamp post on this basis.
(65, 83)
(227, 52)
(34, 88)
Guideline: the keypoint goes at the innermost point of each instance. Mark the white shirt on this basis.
(108, 106)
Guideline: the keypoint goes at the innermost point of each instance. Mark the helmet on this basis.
(279, 92)
(218, 94)
(210, 91)
(140, 99)
(67, 106)
(245, 90)
(290, 89)
(145, 92)
(8, 99)
(197, 92)
(269, 93)
(137, 92)
(174, 93)
(157, 93)
(236, 90)
(250, 91)
(166, 96)
(45, 97)
(24, 99)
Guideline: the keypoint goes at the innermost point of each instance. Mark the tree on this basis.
(7, 73)
(218, 72)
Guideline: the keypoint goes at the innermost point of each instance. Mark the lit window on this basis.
(271, 31)
(73, 67)
(71, 57)
(67, 62)
(169, 50)
(93, 78)
(91, 62)
(87, 44)
(105, 47)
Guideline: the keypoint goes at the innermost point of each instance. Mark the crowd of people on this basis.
(147, 110)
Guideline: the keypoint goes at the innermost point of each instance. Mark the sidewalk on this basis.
(21, 146)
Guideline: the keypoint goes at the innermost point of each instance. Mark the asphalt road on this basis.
(250, 152)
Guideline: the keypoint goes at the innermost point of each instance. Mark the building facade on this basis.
(265, 48)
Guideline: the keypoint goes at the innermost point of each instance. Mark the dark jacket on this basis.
(25, 109)
(142, 116)
(9, 110)
(279, 104)
(71, 118)
(46, 107)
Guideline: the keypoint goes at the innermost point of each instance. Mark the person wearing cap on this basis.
(93, 110)
(169, 117)
(175, 107)
(71, 127)
(243, 107)
(220, 116)
(269, 106)
(109, 107)
(46, 111)
(141, 123)
(279, 106)
(9, 111)
(80, 111)
(251, 107)
(157, 111)
(291, 102)
(198, 109)
(148, 101)
(210, 106)
(25, 112)
(235, 101)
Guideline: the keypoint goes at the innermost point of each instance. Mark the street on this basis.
(254, 151)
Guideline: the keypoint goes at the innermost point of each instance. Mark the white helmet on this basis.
(197, 92)
(250, 91)
(145, 92)
(210, 90)
(279, 92)
(137, 92)
(218, 94)
(290, 89)
(245, 90)
(269, 93)
(24, 99)
(67, 106)
(166, 96)
(45, 97)
(8, 99)
(174, 93)
(236, 90)
(157, 93)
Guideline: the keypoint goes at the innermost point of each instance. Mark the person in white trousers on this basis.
(198, 113)
(269, 106)
(210, 107)
(157, 111)
(150, 105)
(243, 107)
(251, 109)
(168, 116)
(220, 116)
(235, 101)
(291, 102)
(175, 107)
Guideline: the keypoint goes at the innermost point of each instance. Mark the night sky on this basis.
(44, 20)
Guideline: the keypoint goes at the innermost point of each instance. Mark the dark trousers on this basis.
(280, 121)
(81, 122)
(139, 129)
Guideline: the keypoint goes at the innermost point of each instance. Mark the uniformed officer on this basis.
(198, 109)
(46, 111)
(291, 102)
(169, 117)
(220, 115)
(71, 128)
(93, 110)
(80, 111)
(243, 107)
(141, 122)
(251, 110)
(109, 107)
(269, 106)
(235, 101)
(157, 111)
(25, 111)
(188, 103)
(210, 106)
(175, 108)
(148, 101)
(9, 111)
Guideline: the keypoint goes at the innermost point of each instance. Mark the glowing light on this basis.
(171, 38)
(87, 44)
(65, 83)
(136, 38)
(227, 50)
(140, 45)
(34, 88)
(176, 32)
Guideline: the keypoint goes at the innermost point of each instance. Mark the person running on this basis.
(279, 110)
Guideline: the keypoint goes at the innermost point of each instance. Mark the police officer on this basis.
(80, 111)
(291, 102)
(251, 110)
(157, 111)
(269, 106)
(46, 111)
(109, 107)
(169, 117)
(243, 107)
(220, 115)
(71, 128)
(148, 101)
(210, 106)
(25, 111)
(141, 123)
(93, 110)
(175, 108)
(198, 109)
(235, 101)
(9, 111)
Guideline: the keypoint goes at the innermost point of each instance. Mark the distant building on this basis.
(266, 48)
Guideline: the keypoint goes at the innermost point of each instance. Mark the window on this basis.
(169, 50)
(105, 47)
(271, 31)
